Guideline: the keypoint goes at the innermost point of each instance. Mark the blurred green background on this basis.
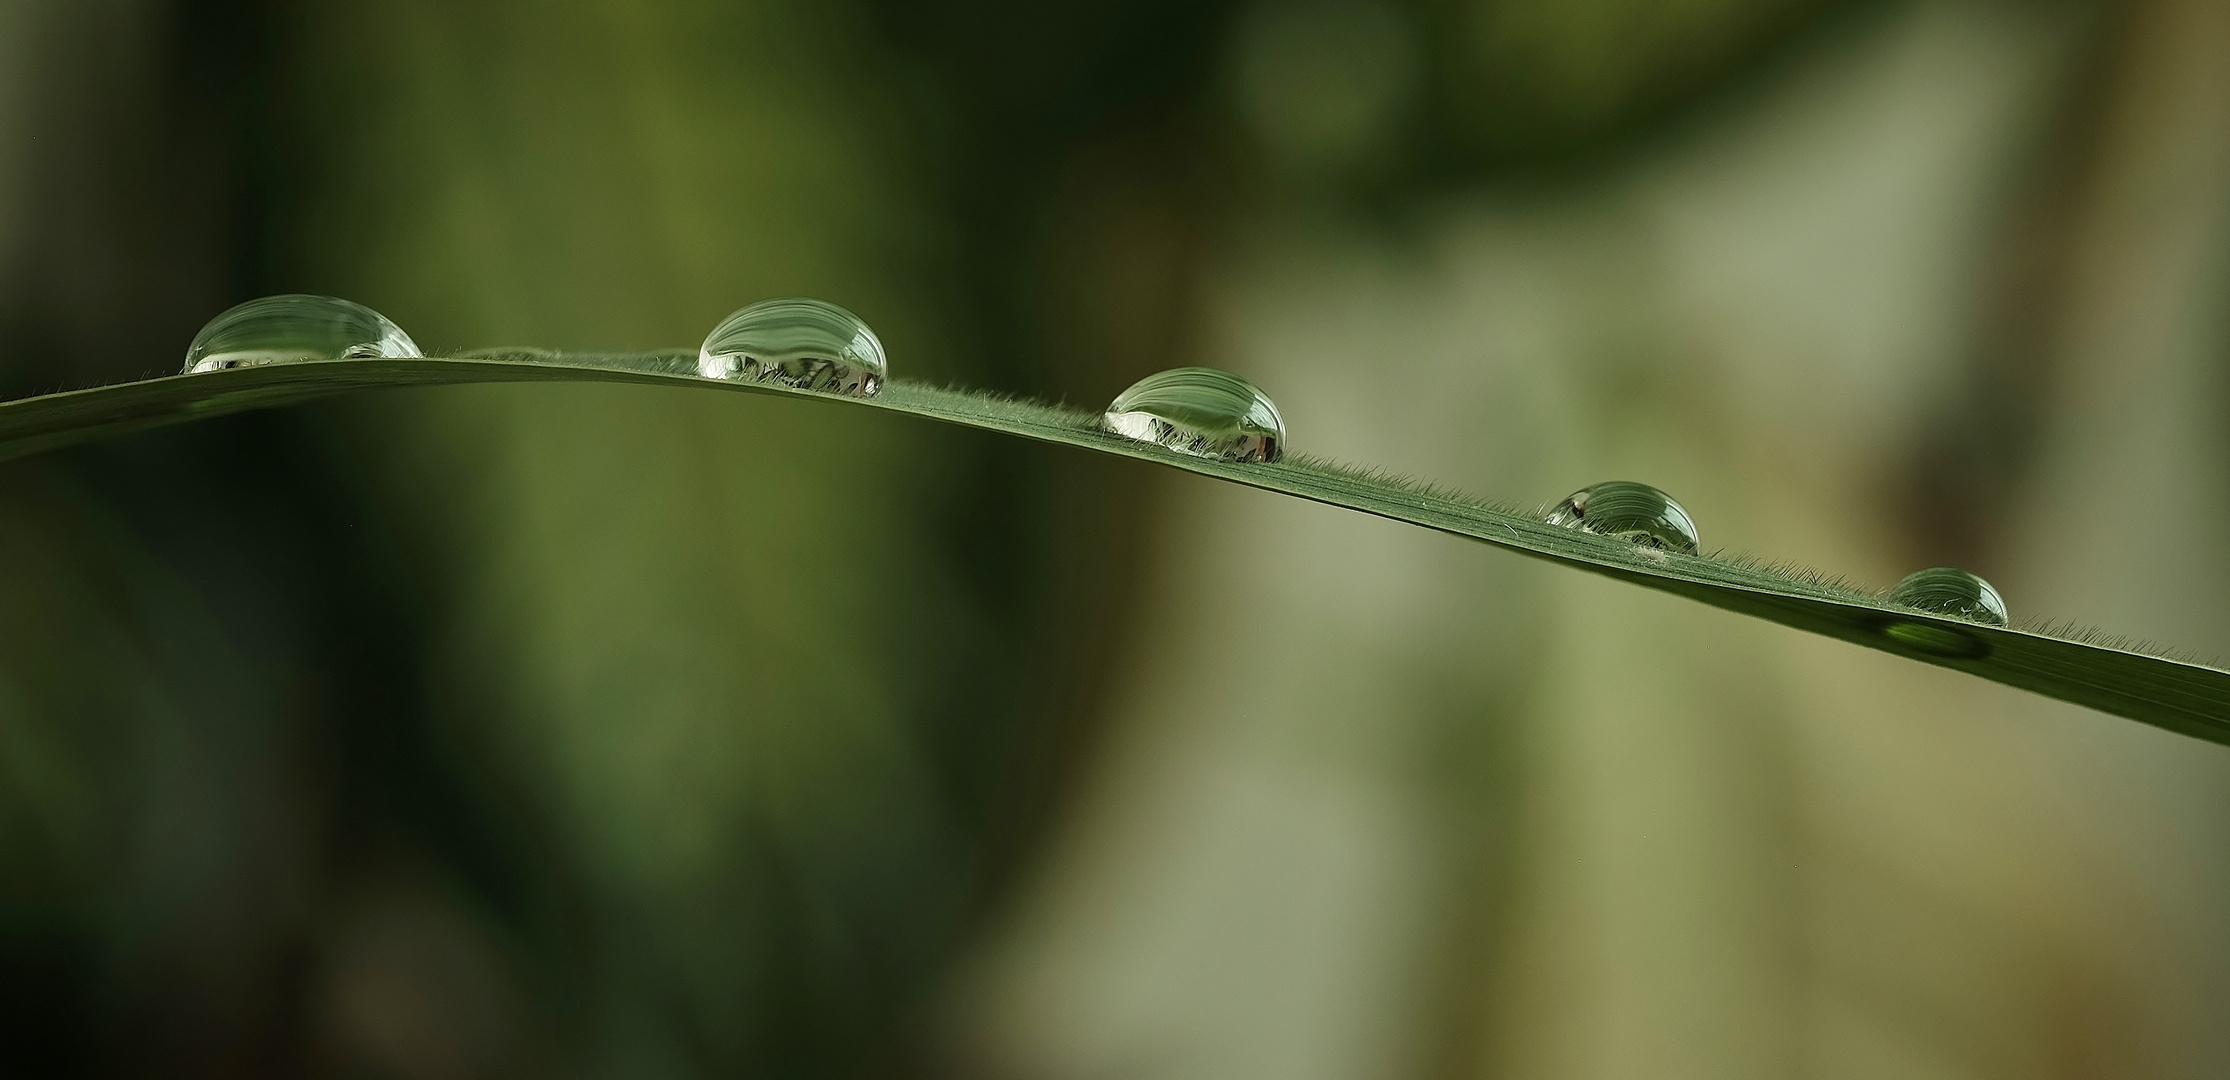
(590, 731)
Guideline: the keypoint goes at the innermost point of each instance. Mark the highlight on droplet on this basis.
(295, 328)
(798, 342)
(1636, 513)
(1948, 590)
(1200, 411)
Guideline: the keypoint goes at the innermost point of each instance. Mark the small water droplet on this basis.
(796, 341)
(1200, 411)
(295, 328)
(1948, 590)
(1636, 513)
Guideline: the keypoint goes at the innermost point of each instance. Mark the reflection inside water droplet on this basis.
(295, 328)
(796, 341)
(1948, 590)
(1636, 513)
(1200, 411)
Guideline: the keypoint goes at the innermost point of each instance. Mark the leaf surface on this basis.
(2075, 666)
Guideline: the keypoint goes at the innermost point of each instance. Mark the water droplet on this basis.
(292, 329)
(1636, 513)
(1200, 411)
(796, 341)
(1948, 590)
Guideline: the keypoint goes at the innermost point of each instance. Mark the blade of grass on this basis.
(2118, 677)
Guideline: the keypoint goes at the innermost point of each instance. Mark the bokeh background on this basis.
(620, 732)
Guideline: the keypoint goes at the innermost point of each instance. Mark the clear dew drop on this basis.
(1948, 590)
(1200, 411)
(798, 342)
(1636, 513)
(292, 329)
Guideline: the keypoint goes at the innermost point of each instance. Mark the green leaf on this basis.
(2060, 662)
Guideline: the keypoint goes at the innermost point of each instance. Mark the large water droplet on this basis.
(1948, 590)
(292, 329)
(796, 341)
(1200, 411)
(1636, 513)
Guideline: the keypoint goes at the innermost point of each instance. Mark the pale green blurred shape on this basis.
(1439, 813)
